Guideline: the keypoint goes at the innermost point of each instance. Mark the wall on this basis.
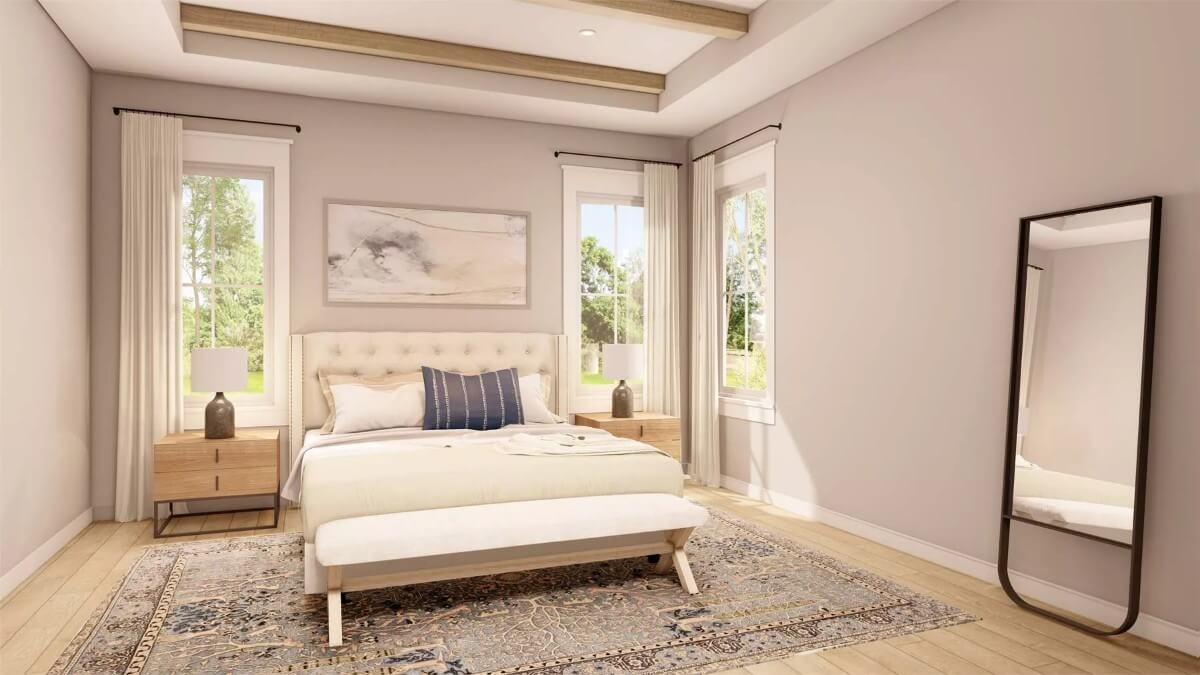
(1086, 378)
(349, 151)
(902, 174)
(44, 89)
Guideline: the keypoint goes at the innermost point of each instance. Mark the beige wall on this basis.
(350, 151)
(1086, 377)
(44, 88)
(902, 174)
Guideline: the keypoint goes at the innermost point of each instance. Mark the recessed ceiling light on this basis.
(587, 32)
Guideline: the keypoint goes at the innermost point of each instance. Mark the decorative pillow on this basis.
(365, 408)
(387, 382)
(485, 401)
(533, 401)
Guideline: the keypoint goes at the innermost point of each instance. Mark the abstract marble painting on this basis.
(425, 256)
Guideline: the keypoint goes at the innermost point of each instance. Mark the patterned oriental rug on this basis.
(237, 606)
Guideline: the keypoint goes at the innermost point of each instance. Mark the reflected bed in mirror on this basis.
(1079, 396)
(1085, 308)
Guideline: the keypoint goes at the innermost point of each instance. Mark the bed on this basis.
(341, 478)
(1098, 507)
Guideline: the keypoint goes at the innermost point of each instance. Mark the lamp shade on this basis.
(624, 362)
(220, 369)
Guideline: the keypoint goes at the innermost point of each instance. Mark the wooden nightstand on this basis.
(661, 431)
(190, 467)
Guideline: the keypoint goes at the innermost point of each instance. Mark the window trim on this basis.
(581, 182)
(255, 155)
(749, 170)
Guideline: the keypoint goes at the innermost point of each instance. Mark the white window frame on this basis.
(751, 169)
(580, 184)
(255, 156)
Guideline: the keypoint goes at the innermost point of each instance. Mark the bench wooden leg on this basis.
(335, 606)
(678, 557)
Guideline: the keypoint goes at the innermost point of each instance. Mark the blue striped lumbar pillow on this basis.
(485, 401)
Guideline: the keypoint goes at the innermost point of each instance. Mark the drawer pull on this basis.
(218, 460)
(641, 430)
(218, 482)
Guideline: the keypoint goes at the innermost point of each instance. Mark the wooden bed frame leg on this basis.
(678, 539)
(334, 593)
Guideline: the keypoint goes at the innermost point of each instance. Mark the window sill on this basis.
(751, 411)
(603, 403)
(244, 416)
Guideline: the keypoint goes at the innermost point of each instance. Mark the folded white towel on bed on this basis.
(572, 444)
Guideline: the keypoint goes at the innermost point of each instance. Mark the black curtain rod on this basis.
(631, 159)
(117, 111)
(716, 150)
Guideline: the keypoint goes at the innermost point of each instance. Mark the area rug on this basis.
(238, 606)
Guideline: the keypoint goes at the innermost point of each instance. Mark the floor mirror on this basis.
(1079, 393)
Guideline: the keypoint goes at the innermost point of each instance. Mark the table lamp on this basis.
(623, 362)
(219, 370)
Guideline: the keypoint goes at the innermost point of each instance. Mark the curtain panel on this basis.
(706, 325)
(662, 288)
(149, 388)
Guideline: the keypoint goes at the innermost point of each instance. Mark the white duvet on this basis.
(398, 470)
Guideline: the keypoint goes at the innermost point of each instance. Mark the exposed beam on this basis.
(687, 16)
(309, 34)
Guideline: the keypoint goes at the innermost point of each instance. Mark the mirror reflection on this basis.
(1081, 370)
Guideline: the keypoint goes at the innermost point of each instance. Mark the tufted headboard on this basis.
(382, 352)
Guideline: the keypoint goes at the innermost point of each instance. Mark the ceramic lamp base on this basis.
(622, 401)
(218, 417)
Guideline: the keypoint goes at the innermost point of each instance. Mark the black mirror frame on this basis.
(1010, 450)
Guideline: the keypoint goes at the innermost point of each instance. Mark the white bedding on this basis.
(351, 475)
(1087, 504)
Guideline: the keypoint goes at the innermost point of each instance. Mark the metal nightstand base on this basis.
(160, 526)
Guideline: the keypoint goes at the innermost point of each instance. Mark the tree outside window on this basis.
(221, 249)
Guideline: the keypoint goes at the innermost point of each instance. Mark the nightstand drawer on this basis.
(213, 455)
(650, 431)
(672, 448)
(181, 485)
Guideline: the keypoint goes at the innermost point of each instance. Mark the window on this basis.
(745, 204)
(233, 250)
(224, 298)
(744, 232)
(612, 282)
(604, 276)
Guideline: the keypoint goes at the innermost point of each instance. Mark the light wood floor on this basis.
(40, 618)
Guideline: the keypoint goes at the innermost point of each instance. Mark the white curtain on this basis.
(706, 325)
(149, 391)
(662, 288)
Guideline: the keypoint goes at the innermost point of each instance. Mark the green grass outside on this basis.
(254, 384)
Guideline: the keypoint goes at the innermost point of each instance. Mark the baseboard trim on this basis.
(1150, 627)
(26, 568)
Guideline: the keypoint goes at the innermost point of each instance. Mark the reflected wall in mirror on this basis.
(1081, 370)
(1079, 396)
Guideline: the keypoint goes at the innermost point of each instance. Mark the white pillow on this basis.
(362, 408)
(533, 401)
(1023, 463)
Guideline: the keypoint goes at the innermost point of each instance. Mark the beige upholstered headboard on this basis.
(381, 353)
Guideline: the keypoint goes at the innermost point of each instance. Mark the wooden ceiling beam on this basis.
(687, 16)
(219, 21)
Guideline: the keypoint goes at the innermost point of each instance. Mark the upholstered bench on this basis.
(471, 541)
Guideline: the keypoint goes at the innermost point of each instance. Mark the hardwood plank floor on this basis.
(40, 618)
